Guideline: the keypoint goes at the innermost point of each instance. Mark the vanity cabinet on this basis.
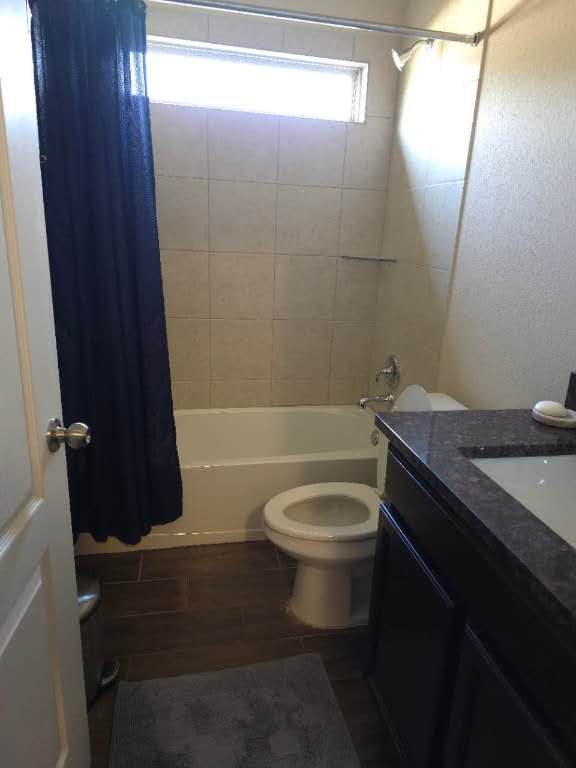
(414, 640)
(489, 723)
(446, 699)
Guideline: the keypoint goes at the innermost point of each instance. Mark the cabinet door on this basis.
(490, 725)
(415, 636)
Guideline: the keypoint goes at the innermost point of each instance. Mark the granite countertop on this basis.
(534, 559)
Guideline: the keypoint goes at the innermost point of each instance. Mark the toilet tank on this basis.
(414, 398)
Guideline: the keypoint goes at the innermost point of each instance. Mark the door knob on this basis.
(76, 436)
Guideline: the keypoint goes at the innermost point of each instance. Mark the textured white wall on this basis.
(511, 331)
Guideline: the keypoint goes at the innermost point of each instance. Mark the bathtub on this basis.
(234, 460)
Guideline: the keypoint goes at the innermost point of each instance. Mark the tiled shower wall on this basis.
(258, 218)
(434, 121)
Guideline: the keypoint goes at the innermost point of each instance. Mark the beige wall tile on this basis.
(275, 188)
(242, 217)
(179, 140)
(240, 394)
(418, 355)
(362, 223)
(183, 22)
(356, 290)
(462, 16)
(368, 153)
(185, 278)
(300, 392)
(242, 146)
(246, 32)
(312, 40)
(301, 349)
(242, 285)
(426, 12)
(382, 74)
(191, 394)
(188, 345)
(304, 287)
(418, 112)
(421, 224)
(396, 292)
(416, 298)
(409, 160)
(308, 220)
(348, 391)
(403, 225)
(418, 109)
(451, 131)
(311, 152)
(240, 349)
(440, 228)
(351, 349)
(182, 213)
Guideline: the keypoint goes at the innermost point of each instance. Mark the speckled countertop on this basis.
(439, 446)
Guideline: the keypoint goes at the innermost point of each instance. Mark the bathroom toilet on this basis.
(330, 530)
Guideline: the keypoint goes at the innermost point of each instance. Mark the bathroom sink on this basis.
(546, 485)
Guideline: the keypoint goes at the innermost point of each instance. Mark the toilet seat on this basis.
(276, 517)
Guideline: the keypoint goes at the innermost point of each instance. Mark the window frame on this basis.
(274, 58)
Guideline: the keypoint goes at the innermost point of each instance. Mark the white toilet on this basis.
(330, 529)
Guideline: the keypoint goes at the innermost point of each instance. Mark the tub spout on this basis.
(364, 402)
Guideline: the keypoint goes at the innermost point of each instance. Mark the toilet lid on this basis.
(325, 512)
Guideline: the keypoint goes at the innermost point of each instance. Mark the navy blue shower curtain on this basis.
(98, 180)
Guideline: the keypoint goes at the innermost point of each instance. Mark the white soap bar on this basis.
(550, 408)
(554, 414)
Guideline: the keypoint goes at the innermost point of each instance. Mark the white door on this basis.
(42, 709)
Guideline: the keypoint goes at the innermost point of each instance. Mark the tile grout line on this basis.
(211, 255)
(347, 187)
(139, 580)
(275, 286)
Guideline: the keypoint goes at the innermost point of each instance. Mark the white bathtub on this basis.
(234, 460)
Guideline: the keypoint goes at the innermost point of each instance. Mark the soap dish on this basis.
(554, 415)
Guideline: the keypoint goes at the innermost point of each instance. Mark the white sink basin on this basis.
(546, 485)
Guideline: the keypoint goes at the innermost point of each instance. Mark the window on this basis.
(223, 77)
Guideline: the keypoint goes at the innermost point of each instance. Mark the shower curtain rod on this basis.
(331, 21)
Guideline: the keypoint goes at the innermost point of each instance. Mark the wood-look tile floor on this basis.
(195, 609)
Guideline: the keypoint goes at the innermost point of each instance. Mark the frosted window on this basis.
(223, 77)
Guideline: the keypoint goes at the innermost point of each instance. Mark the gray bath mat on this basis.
(280, 714)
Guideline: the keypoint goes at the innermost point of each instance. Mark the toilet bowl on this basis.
(330, 530)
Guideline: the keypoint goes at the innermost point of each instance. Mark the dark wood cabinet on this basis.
(448, 702)
(414, 647)
(489, 723)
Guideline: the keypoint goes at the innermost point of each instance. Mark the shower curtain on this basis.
(98, 181)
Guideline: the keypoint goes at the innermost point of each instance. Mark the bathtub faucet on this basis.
(364, 402)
